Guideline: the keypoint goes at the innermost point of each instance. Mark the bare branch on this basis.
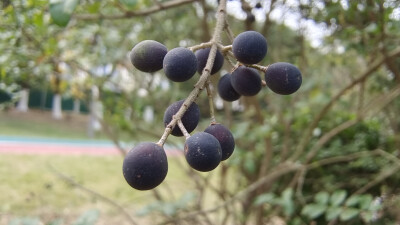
(308, 133)
(91, 192)
(279, 171)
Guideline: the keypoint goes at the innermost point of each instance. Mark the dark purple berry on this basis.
(225, 138)
(180, 64)
(202, 57)
(225, 89)
(148, 56)
(145, 166)
(190, 118)
(246, 81)
(202, 151)
(283, 78)
(249, 47)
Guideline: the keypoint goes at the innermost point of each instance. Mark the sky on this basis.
(313, 32)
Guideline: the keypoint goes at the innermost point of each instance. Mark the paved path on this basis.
(45, 146)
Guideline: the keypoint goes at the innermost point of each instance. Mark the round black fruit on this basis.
(249, 47)
(283, 78)
(224, 137)
(202, 57)
(246, 81)
(148, 56)
(190, 118)
(180, 64)
(202, 152)
(225, 89)
(145, 166)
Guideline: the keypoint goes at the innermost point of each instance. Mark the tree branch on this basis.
(276, 173)
(308, 133)
(91, 192)
(130, 14)
(199, 86)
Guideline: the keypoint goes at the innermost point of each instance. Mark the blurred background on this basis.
(71, 105)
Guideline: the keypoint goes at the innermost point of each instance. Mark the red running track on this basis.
(43, 148)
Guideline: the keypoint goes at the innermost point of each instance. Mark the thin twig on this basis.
(228, 31)
(200, 46)
(183, 129)
(211, 102)
(383, 174)
(258, 67)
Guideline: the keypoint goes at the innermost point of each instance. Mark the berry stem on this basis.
(210, 101)
(258, 67)
(199, 86)
(226, 51)
(200, 46)
(183, 129)
(228, 31)
(225, 48)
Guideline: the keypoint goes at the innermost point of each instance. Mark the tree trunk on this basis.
(77, 106)
(22, 104)
(96, 112)
(148, 115)
(56, 107)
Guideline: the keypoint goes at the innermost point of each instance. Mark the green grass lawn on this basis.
(30, 188)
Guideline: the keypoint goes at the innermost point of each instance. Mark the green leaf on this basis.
(25, 221)
(264, 198)
(322, 198)
(287, 202)
(368, 216)
(338, 197)
(169, 209)
(313, 210)
(332, 213)
(375, 206)
(348, 213)
(352, 201)
(287, 194)
(38, 19)
(61, 11)
(129, 3)
(94, 8)
(88, 218)
(56, 222)
(249, 165)
(365, 201)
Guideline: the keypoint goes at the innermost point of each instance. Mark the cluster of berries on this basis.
(146, 165)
